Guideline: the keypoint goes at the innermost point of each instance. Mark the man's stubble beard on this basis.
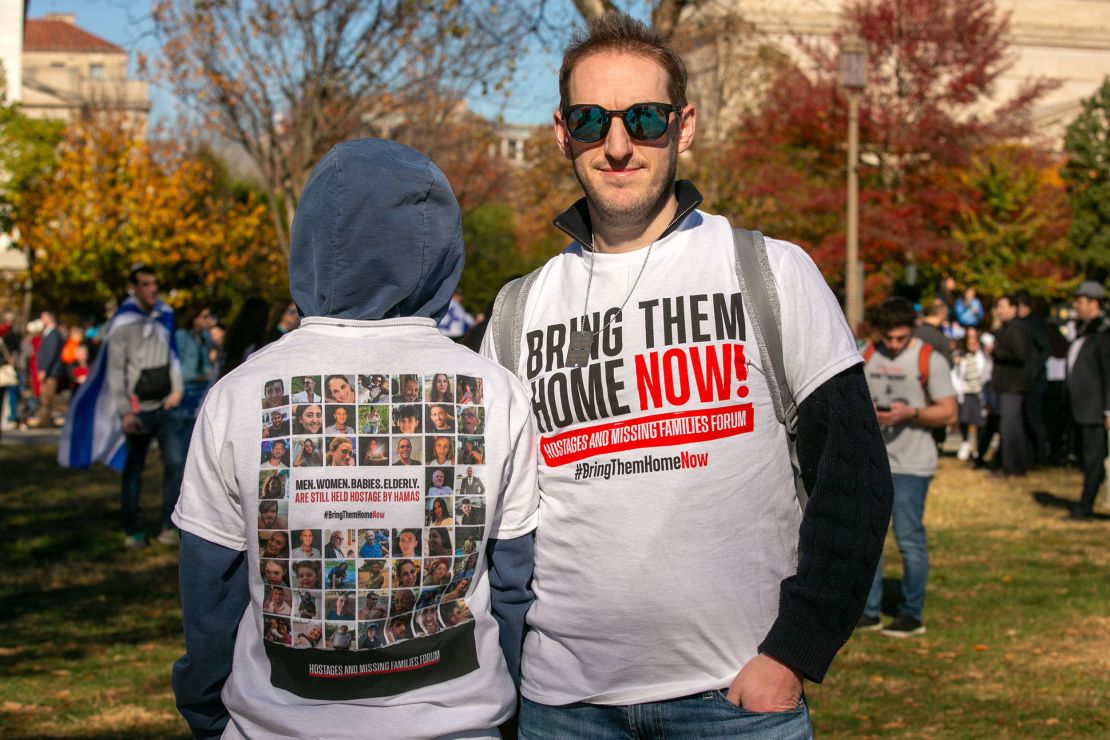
(642, 210)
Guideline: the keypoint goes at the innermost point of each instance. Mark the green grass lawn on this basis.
(1018, 642)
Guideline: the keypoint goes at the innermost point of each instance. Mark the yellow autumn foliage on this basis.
(116, 198)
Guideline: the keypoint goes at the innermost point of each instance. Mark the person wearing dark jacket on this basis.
(1011, 380)
(52, 370)
(376, 252)
(1089, 388)
(1034, 409)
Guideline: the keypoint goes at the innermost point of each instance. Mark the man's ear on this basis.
(686, 128)
(562, 138)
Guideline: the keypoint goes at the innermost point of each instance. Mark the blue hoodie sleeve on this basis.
(510, 581)
(214, 595)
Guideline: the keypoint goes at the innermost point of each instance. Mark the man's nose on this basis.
(618, 144)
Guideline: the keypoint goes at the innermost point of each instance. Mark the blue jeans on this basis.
(173, 441)
(697, 717)
(909, 533)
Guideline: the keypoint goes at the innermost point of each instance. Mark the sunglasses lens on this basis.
(646, 122)
(587, 123)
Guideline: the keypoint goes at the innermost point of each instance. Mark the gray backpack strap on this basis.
(761, 299)
(509, 306)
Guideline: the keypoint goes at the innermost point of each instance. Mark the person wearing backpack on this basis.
(651, 367)
(913, 394)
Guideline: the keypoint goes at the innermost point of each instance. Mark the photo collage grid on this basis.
(364, 588)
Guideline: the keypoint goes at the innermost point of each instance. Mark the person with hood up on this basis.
(376, 254)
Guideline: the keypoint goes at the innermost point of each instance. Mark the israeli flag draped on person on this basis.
(92, 431)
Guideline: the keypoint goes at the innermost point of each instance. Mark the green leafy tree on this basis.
(1087, 174)
(492, 254)
(28, 153)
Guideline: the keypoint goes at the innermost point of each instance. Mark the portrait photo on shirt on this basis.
(307, 452)
(273, 394)
(468, 389)
(275, 453)
(467, 539)
(437, 571)
(306, 574)
(373, 543)
(273, 543)
(439, 477)
(275, 423)
(374, 419)
(373, 450)
(406, 450)
(277, 600)
(373, 388)
(278, 630)
(307, 543)
(373, 604)
(472, 450)
(340, 543)
(407, 419)
(426, 621)
(437, 509)
(464, 566)
(430, 596)
(339, 419)
(308, 418)
(406, 388)
(439, 450)
(371, 634)
(339, 452)
(406, 543)
(454, 613)
(307, 603)
(273, 514)
(308, 633)
(306, 389)
(275, 572)
(339, 605)
(471, 419)
(373, 574)
(437, 542)
(402, 600)
(339, 389)
(399, 629)
(439, 417)
(406, 572)
(339, 574)
(273, 485)
(340, 635)
(439, 388)
(469, 510)
(457, 588)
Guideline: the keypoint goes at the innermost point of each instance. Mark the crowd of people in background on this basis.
(1031, 382)
(45, 360)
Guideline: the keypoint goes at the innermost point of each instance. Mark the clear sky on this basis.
(532, 96)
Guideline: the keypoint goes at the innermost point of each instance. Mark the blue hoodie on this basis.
(377, 235)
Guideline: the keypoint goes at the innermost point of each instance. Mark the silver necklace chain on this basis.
(620, 311)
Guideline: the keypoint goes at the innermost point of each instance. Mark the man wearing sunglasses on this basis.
(646, 384)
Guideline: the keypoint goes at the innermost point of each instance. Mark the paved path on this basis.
(30, 437)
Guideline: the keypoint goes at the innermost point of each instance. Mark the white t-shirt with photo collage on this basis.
(369, 602)
(668, 514)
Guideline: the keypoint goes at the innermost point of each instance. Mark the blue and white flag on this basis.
(92, 431)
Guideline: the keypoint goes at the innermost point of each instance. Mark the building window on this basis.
(96, 71)
(58, 65)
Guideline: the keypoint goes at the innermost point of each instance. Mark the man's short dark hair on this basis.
(139, 269)
(408, 411)
(893, 313)
(617, 32)
(1022, 298)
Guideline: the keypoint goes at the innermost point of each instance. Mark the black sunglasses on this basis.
(643, 121)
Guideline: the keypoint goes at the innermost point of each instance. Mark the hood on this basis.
(377, 235)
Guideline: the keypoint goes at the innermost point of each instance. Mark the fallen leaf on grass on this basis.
(1007, 579)
(14, 706)
(897, 724)
(982, 648)
(875, 679)
(60, 672)
(1052, 721)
